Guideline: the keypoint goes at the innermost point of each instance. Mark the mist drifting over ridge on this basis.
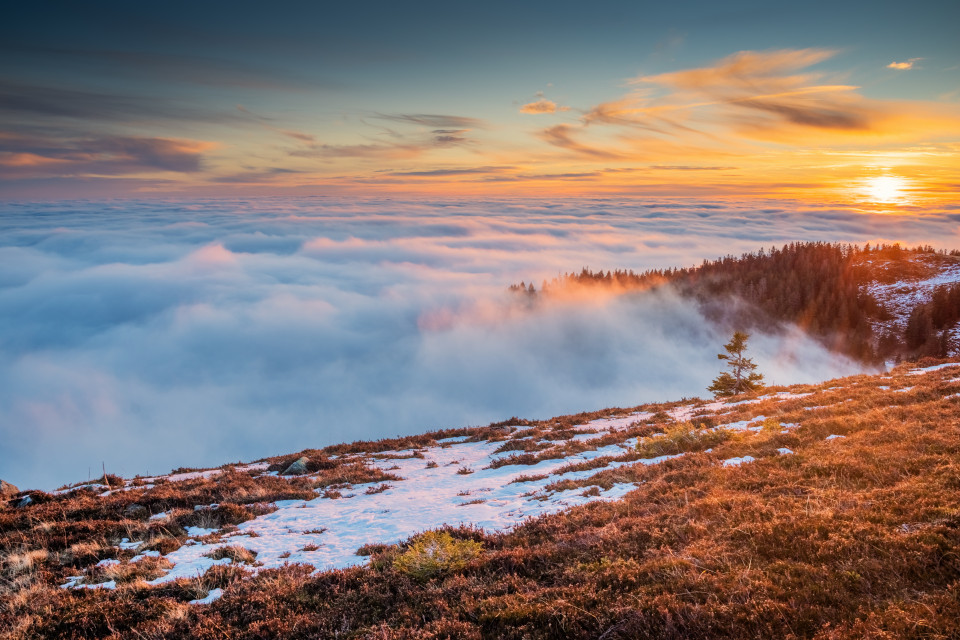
(155, 334)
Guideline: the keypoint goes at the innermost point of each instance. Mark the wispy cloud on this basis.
(773, 83)
(267, 123)
(434, 121)
(37, 101)
(903, 66)
(39, 156)
(370, 151)
(561, 136)
(722, 110)
(462, 171)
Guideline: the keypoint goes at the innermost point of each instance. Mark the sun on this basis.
(885, 188)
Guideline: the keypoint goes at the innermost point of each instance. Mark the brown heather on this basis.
(848, 538)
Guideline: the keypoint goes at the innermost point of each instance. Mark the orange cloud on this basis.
(903, 66)
(770, 96)
(561, 136)
(540, 106)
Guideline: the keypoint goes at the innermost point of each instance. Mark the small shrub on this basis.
(433, 553)
(464, 471)
(234, 552)
(530, 478)
(371, 549)
(380, 488)
(512, 459)
(163, 544)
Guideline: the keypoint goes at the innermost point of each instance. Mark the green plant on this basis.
(742, 376)
(435, 552)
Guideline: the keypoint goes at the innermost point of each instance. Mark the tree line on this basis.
(815, 285)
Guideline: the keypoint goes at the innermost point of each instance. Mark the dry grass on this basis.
(851, 538)
(235, 552)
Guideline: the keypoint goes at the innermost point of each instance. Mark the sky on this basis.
(825, 101)
(232, 230)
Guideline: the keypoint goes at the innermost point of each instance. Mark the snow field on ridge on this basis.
(451, 484)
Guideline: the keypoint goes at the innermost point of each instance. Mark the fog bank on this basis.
(151, 335)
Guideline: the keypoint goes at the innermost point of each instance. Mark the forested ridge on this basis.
(816, 285)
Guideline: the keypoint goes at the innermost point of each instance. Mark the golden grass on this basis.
(847, 538)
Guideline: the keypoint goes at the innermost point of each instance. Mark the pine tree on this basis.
(741, 376)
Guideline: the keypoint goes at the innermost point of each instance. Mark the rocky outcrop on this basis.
(7, 489)
(298, 468)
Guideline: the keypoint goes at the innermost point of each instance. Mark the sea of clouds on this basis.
(147, 335)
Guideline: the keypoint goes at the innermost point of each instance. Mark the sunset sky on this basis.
(829, 101)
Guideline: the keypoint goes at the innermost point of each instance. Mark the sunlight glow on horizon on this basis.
(885, 189)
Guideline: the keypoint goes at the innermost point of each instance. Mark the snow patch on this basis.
(736, 462)
(214, 594)
(936, 367)
(427, 498)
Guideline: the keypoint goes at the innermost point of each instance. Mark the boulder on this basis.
(298, 468)
(136, 512)
(7, 489)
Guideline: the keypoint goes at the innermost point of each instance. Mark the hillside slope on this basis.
(827, 511)
(856, 300)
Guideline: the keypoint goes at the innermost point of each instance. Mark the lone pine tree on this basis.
(741, 376)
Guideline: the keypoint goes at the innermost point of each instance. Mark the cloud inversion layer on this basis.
(150, 335)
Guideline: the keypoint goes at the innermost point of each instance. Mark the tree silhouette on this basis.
(741, 376)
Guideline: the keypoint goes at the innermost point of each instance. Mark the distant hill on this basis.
(871, 303)
(813, 511)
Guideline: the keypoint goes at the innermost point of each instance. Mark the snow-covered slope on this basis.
(488, 483)
(901, 296)
(901, 285)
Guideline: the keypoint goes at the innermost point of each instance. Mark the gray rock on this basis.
(298, 468)
(7, 489)
(136, 512)
(25, 501)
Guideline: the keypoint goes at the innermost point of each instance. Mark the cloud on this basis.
(24, 156)
(903, 66)
(674, 167)
(725, 108)
(265, 122)
(401, 146)
(434, 121)
(40, 102)
(255, 176)
(156, 334)
(561, 136)
(454, 172)
(367, 151)
(540, 106)
(769, 82)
